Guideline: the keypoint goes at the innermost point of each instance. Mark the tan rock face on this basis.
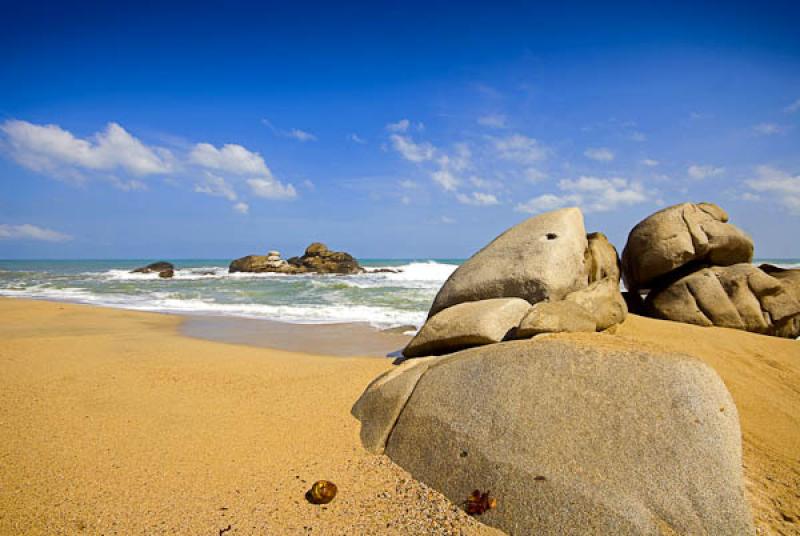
(739, 297)
(467, 324)
(602, 259)
(541, 258)
(555, 317)
(679, 235)
(603, 300)
(317, 259)
(574, 439)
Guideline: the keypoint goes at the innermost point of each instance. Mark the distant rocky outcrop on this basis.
(570, 436)
(316, 259)
(547, 260)
(697, 268)
(165, 270)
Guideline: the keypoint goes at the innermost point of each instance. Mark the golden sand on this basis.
(112, 422)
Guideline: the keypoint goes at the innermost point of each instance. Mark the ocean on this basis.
(204, 287)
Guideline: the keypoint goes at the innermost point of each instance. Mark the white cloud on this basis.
(27, 231)
(415, 152)
(767, 129)
(400, 126)
(216, 186)
(51, 149)
(520, 149)
(356, 138)
(242, 208)
(601, 154)
(703, 172)
(638, 136)
(271, 189)
(793, 107)
(445, 179)
(301, 135)
(779, 183)
(477, 198)
(649, 162)
(231, 158)
(295, 133)
(591, 193)
(493, 121)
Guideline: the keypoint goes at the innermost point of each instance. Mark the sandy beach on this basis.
(114, 422)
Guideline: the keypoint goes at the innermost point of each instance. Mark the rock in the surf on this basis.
(164, 269)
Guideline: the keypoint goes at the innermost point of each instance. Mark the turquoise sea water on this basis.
(204, 286)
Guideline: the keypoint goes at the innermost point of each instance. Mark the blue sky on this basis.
(387, 130)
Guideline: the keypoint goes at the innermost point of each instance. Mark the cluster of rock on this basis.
(165, 270)
(573, 436)
(316, 259)
(543, 275)
(696, 268)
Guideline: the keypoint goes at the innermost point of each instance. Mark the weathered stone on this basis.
(739, 297)
(555, 317)
(602, 259)
(383, 400)
(603, 300)
(574, 438)
(789, 278)
(165, 270)
(317, 259)
(677, 236)
(166, 274)
(260, 263)
(467, 324)
(542, 258)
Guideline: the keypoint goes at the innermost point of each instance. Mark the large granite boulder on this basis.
(572, 438)
(789, 277)
(678, 236)
(165, 270)
(468, 324)
(739, 296)
(319, 259)
(602, 261)
(555, 317)
(603, 300)
(542, 258)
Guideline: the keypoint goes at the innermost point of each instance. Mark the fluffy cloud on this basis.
(301, 135)
(783, 185)
(216, 186)
(241, 208)
(493, 121)
(703, 172)
(355, 138)
(477, 198)
(26, 231)
(414, 152)
(649, 162)
(230, 158)
(445, 179)
(51, 149)
(520, 149)
(591, 193)
(271, 189)
(601, 154)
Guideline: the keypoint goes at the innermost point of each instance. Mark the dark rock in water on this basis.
(572, 437)
(317, 259)
(162, 268)
(739, 297)
(385, 271)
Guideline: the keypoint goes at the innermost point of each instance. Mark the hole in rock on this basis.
(551, 236)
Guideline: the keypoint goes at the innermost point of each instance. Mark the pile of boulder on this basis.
(695, 267)
(165, 270)
(543, 275)
(579, 433)
(316, 259)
